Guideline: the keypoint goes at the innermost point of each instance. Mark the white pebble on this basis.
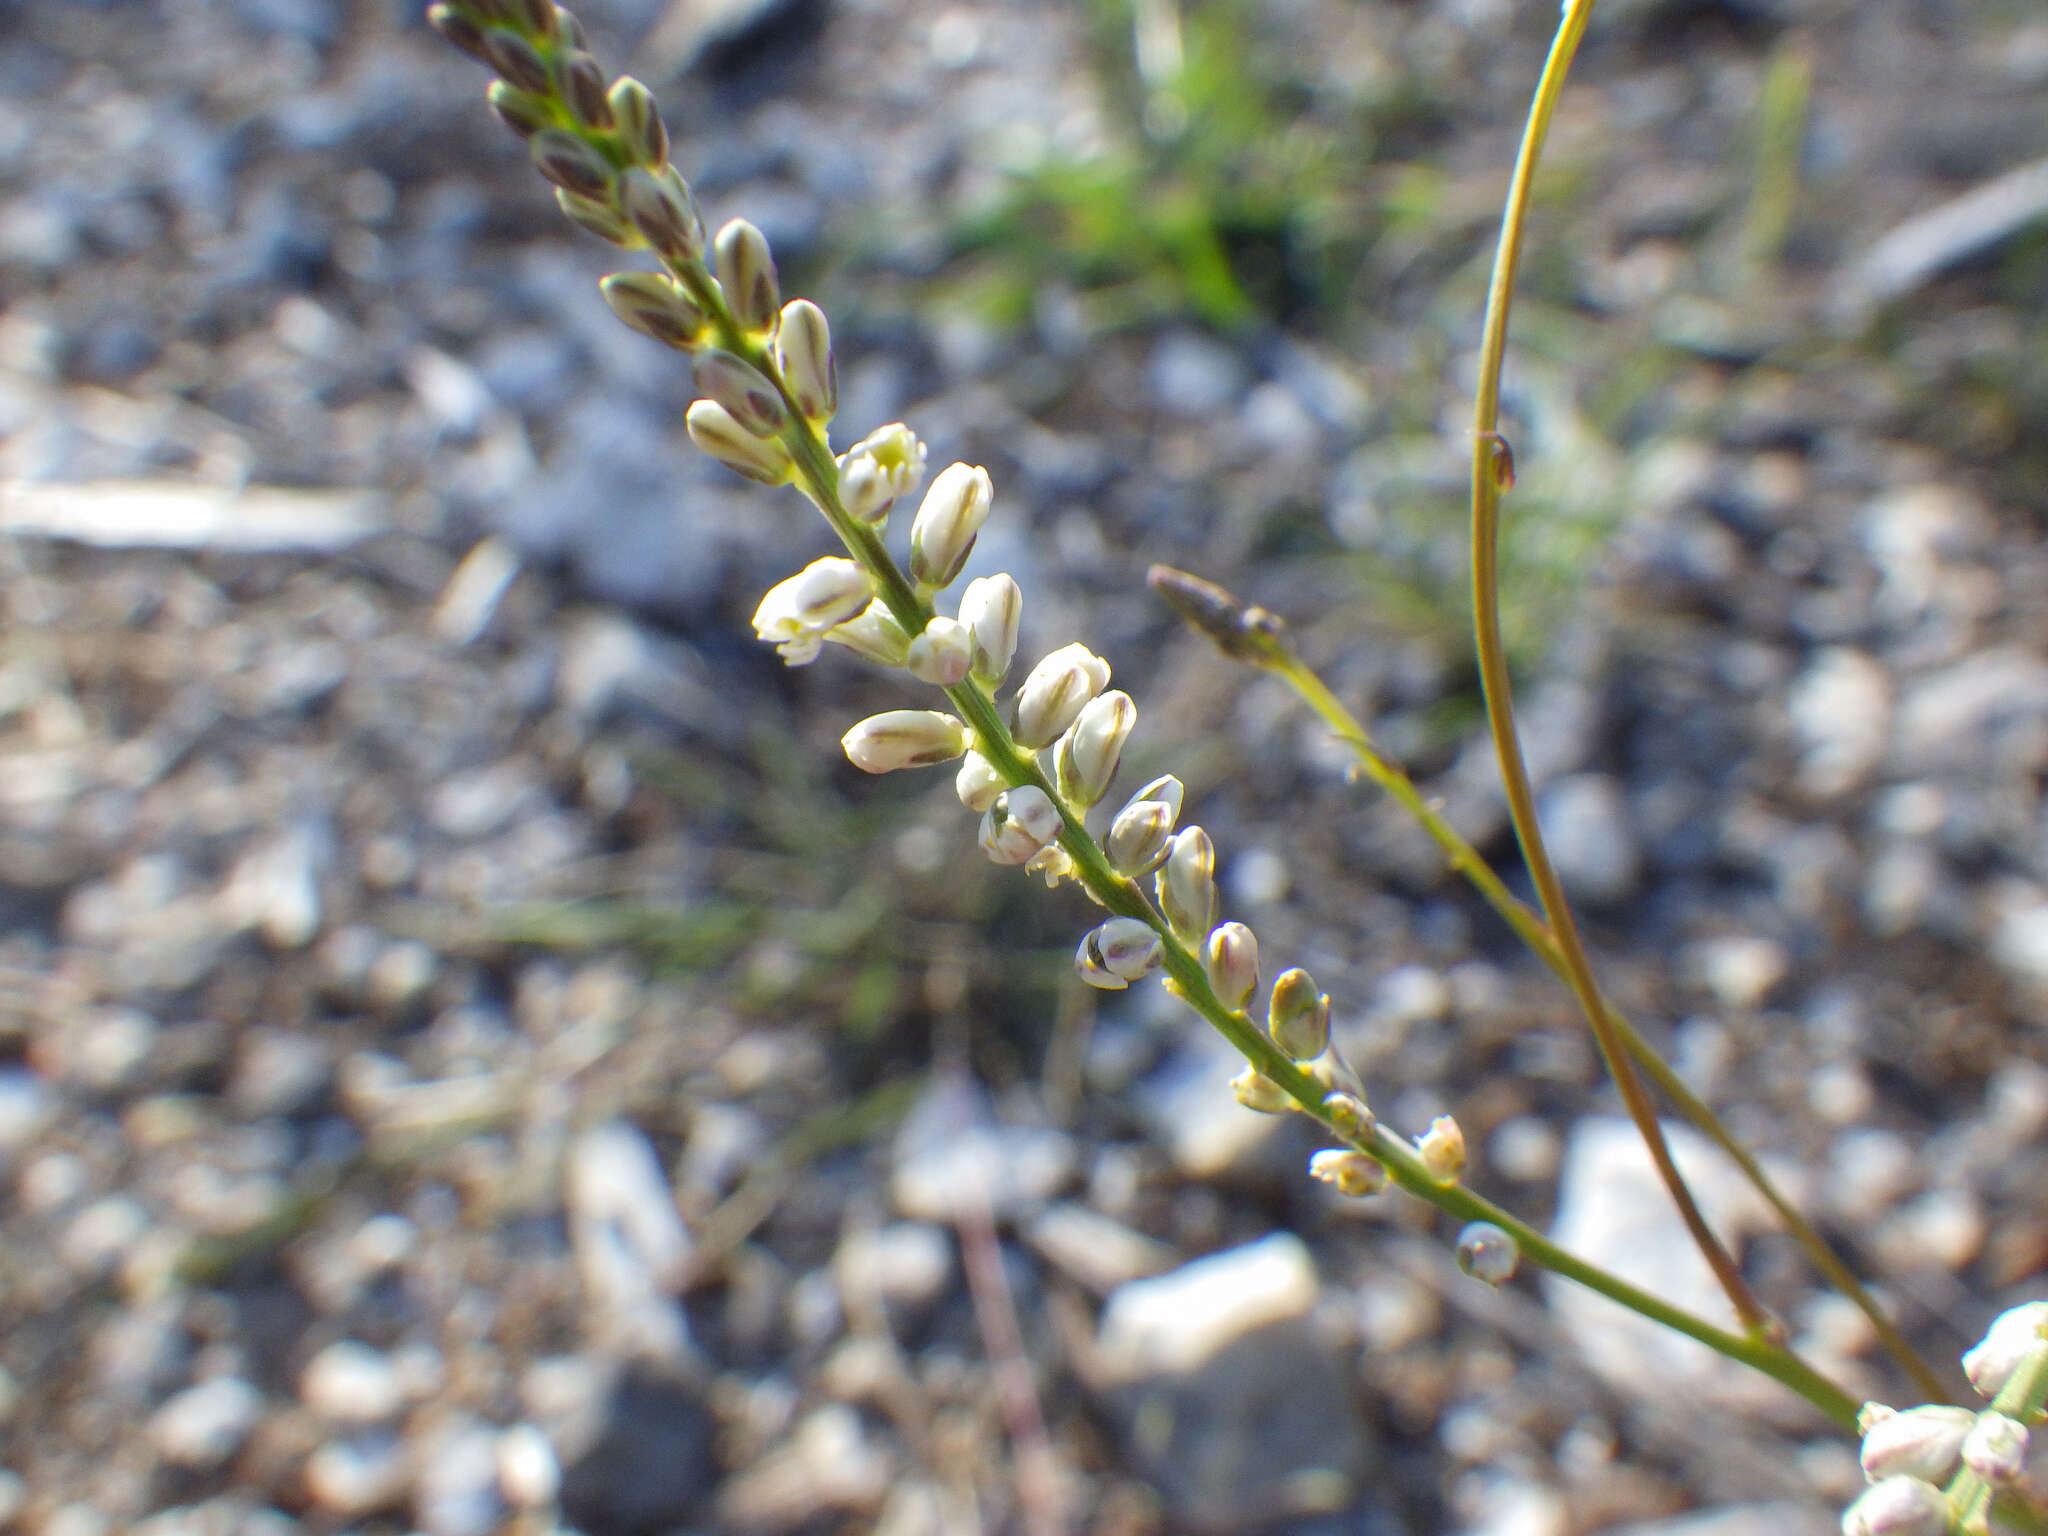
(529, 1476)
(350, 1383)
(202, 1426)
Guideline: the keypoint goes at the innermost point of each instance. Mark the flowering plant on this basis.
(1037, 766)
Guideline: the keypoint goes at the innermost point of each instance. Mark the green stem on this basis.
(1530, 927)
(1970, 1498)
(1492, 465)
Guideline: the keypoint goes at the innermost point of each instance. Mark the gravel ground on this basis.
(473, 1059)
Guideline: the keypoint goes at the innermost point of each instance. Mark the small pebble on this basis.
(202, 1426)
(350, 1383)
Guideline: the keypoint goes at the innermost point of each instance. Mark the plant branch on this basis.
(1492, 469)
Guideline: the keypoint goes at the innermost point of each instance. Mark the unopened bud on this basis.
(803, 351)
(875, 634)
(1996, 1448)
(458, 28)
(746, 271)
(1254, 1090)
(1019, 823)
(637, 121)
(1231, 957)
(659, 204)
(2013, 1336)
(941, 654)
(992, 607)
(1488, 1253)
(947, 522)
(1349, 1116)
(1245, 633)
(743, 390)
(1352, 1173)
(1442, 1150)
(1054, 693)
(977, 783)
(598, 216)
(795, 614)
(1186, 884)
(1125, 946)
(583, 88)
(1298, 1016)
(541, 18)
(1093, 746)
(904, 738)
(1898, 1506)
(570, 162)
(886, 464)
(518, 61)
(522, 111)
(1139, 837)
(1920, 1442)
(761, 459)
(656, 305)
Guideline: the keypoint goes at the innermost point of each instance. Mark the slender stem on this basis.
(1491, 465)
(1530, 927)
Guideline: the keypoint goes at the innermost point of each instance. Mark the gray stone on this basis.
(953, 1157)
(1840, 710)
(1193, 375)
(1585, 820)
(1229, 1402)
(1614, 1211)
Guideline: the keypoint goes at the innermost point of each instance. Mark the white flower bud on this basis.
(1186, 884)
(2013, 1336)
(659, 204)
(1921, 1442)
(654, 304)
(1298, 1016)
(803, 351)
(886, 464)
(875, 634)
(743, 390)
(947, 523)
(1231, 957)
(1093, 746)
(715, 430)
(940, 655)
(1125, 946)
(1091, 968)
(1442, 1150)
(795, 614)
(1352, 1173)
(1996, 1448)
(978, 783)
(1139, 836)
(746, 271)
(904, 738)
(637, 120)
(1898, 1506)
(991, 608)
(1019, 823)
(1054, 693)
(1348, 1114)
(1254, 1090)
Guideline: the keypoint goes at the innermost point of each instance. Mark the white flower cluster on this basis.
(1917, 1460)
